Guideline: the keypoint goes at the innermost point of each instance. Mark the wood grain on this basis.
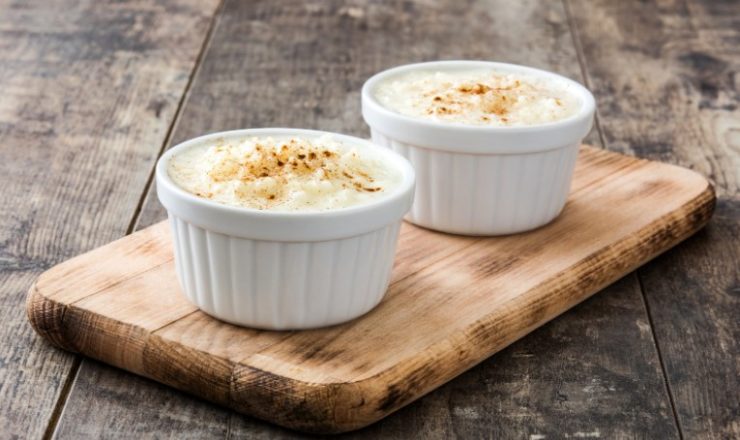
(665, 75)
(89, 89)
(435, 322)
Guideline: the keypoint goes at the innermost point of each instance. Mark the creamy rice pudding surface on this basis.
(294, 174)
(482, 97)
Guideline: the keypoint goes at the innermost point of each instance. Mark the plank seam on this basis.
(176, 117)
(134, 275)
(56, 413)
(663, 370)
(582, 64)
(161, 327)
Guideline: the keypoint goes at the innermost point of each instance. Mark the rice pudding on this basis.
(282, 228)
(289, 174)
(483, 97)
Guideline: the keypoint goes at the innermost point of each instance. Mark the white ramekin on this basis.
(284, 270)
(482, 180)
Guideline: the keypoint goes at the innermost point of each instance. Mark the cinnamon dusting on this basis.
(478, 97)
(267, 168)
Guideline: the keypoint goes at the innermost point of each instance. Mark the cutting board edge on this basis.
(377, 399)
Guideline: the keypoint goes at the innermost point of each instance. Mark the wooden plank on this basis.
(433, 324)
(89, 89)
(302, 64)
(665, 77)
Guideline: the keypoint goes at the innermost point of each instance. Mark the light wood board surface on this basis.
(453, 301)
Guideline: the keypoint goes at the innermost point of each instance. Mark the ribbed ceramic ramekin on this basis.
(284, 270)
(482, 180)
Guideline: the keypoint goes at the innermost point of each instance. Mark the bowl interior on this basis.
(582, 94)
(402, 166)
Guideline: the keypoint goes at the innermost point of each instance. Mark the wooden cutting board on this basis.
(453, 302)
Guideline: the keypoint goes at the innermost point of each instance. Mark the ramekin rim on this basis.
(585, 111)
(400, 192)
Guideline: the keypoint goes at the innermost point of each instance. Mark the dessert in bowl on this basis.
(494, 145)
(284, 228)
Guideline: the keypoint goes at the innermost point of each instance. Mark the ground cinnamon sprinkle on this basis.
(301, 158)
(285, 174)
(477, 97)
(287, 161)
(490, 100)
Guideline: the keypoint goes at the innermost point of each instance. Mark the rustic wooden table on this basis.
(91, 92)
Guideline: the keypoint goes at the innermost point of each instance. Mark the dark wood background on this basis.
(91, 93)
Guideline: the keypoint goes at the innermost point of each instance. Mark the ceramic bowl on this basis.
(482, 180)
(284, 270)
